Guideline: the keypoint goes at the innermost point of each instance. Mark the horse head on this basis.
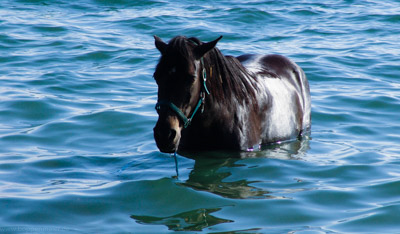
(181, 87)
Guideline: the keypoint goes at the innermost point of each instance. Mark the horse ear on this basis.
(160, 45)
(202, 49)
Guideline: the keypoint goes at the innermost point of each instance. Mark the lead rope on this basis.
(176, 165)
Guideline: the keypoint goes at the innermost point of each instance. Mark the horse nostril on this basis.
(172, 134)
(168, 134)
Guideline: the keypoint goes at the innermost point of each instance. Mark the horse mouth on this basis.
(169, 149)
(166, 145)
(167, 135)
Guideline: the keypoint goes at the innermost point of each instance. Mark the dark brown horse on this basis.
(208, 101)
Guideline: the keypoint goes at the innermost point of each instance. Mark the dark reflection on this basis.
(209, 174)
(195, 220)
(220, 173)
(212, 170)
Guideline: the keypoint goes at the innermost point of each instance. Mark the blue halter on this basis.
(186, 121)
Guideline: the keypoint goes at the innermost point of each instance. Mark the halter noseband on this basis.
(186, 121)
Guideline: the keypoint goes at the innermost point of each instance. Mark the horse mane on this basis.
(228, 78)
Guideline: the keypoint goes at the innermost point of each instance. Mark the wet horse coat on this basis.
(235, 102)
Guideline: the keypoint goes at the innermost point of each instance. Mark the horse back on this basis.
(275, 66)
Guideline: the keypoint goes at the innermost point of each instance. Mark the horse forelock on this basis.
(178, 54)
(179, 46)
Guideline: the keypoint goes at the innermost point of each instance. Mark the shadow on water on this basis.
(211, 174)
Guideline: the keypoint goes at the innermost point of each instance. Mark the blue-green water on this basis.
(77, 111)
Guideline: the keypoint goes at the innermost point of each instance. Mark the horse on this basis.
(208, 101)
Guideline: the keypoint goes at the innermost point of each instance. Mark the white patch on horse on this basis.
(280, 119)
(197, 67)
(242, 113)
(280, 116)
(253, 65)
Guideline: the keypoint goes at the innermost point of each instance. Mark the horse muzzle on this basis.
(167, 135)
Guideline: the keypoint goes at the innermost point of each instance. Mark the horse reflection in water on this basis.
(195, 220)
(208, 101)
(208, 176)
(212, 172)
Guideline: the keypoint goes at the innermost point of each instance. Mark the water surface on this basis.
(77, 111)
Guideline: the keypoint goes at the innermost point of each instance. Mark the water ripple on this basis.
(77, 111)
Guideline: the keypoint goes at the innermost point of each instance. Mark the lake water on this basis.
(77, 153)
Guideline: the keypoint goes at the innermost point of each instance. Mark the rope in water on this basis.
(176, 165)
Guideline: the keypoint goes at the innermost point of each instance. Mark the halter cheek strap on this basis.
(186, 121)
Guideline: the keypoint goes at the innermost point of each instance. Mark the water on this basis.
(77, 111)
